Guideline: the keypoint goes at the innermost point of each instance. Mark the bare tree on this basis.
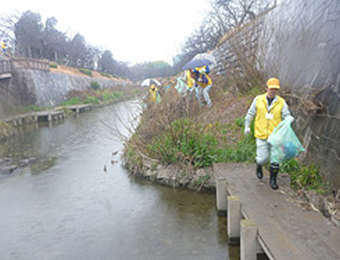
(239, 11)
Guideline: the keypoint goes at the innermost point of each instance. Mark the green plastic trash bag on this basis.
(284, 143)
(181, 87)
(158, 98)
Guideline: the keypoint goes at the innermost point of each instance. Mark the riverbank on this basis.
(171, 175)
(204, 179)
(79, 101)
(176, 143)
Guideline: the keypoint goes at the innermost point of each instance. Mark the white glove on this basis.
(247, 130)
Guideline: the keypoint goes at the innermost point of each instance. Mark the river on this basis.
(76, 201)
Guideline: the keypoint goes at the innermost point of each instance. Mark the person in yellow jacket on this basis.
(4, 46)
(269, 110)
(203, 84)
(153, 93)
(190, 83)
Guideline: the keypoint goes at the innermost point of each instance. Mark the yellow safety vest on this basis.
(203, 85)
(266, 121)
(200, 75)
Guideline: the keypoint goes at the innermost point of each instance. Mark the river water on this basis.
(66, 206)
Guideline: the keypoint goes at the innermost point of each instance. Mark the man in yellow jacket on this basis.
(269, 110)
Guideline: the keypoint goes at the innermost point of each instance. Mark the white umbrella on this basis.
(148, 82)
(206, 56)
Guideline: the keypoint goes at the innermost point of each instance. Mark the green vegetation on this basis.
(94, 85)
(28, 109)
(96, 96)
(53, 65)
(72, 101)
(178, 132)
(86, 72)
(105, 74)
(107, 96)
(201, 145)
(306, 177)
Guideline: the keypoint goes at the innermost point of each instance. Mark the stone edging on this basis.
(151, 169)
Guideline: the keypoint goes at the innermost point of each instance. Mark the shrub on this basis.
(72, 101)
(185, 140)
(94, 85)
(86, 71)
(91, 100)
(53, 65)
(108, 96)
(105, 74)
(302, 176)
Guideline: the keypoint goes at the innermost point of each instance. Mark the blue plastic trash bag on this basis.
(284, 143)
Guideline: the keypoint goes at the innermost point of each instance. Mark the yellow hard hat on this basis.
(273, 83)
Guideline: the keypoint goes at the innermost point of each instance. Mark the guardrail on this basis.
(5, 66)
(24, 63)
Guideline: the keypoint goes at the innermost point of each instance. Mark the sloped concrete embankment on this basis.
(43, 88)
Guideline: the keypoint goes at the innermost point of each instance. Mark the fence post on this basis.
(221, 196)
(248, 240)
(234, 218)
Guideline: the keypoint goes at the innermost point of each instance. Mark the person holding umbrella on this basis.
(203, 84)
(154, 94)
(199, 70)
(269, 110)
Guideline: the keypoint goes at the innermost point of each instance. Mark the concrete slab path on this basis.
(286, 231)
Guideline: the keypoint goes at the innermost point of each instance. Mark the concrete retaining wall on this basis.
(43, 88)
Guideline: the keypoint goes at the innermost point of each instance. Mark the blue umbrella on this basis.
(194, 63)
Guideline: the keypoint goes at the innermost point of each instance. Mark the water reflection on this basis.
(64, 206)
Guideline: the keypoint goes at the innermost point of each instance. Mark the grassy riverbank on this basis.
(180, 133)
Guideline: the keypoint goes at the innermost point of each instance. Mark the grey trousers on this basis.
(262, 151)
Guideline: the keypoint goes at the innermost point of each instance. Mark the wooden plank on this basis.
(286, 230)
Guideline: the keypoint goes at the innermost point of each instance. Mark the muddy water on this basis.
(65, 205)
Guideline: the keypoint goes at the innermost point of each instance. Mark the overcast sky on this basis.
(133, 30)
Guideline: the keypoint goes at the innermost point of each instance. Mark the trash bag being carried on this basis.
(181, 87)
(158, 98)
(284, 143)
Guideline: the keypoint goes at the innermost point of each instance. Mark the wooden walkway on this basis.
(285, 230)
(78, 108)
(56, 114)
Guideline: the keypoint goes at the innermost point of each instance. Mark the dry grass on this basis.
(74, 71)
(157, 119)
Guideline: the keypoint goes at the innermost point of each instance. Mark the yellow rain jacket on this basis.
(266, 121)
(153, 93)
(189, 80)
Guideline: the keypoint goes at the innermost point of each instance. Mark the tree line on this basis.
(30, 37)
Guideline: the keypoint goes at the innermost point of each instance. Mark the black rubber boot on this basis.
(274, 169)
(259, 173)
